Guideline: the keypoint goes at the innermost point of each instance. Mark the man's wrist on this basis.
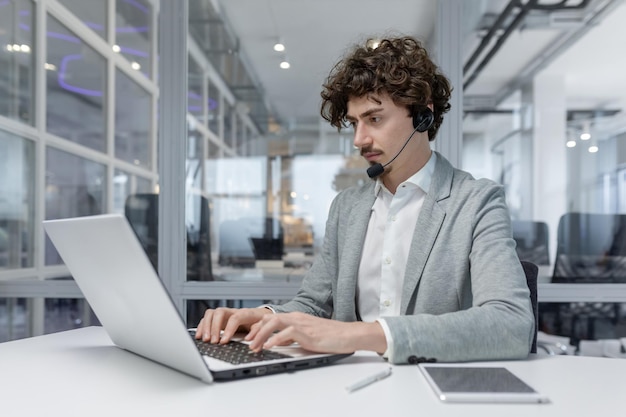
(369, 336)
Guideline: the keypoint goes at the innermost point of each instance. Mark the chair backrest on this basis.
(531, 271)
(591, 247)
(532, 241)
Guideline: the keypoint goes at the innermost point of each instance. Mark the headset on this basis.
(423, 119)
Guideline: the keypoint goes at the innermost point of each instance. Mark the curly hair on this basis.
(399, 67)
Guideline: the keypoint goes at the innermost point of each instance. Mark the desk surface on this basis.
(80, 372)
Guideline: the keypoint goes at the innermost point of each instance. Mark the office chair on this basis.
(532, 241)
(591, 248)
(531, 271)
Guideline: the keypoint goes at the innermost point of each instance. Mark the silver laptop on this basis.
(117, 279)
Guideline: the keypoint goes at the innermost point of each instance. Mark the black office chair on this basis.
(591, 248)
(532, 241)
(531, 271)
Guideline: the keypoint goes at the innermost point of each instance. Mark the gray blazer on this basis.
(465, 295)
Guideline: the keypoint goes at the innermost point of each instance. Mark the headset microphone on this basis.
(421, 123)
(375, 170)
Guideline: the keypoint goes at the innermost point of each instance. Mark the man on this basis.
(416, 265)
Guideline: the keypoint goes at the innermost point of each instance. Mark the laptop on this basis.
(116, 277)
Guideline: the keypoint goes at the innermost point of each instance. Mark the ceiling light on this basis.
(570, 143)
(116, 48)
(285, 64)
(279, 46)
(593, 149)
(586, 133)
(373, 43)
(50, 67)
(135, 66)
(18, 48)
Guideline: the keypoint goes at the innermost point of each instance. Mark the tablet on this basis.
(485, 384)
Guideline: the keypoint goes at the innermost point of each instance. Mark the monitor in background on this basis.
(247, 239)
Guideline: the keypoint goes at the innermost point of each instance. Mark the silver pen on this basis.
(369, 380)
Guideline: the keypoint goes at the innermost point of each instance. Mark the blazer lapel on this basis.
(427, 228)
(351, 255)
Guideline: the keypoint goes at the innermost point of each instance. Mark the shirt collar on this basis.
(421, 178)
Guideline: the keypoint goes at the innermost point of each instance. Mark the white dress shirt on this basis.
(386, 247)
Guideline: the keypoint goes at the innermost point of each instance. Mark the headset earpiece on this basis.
(423, 119)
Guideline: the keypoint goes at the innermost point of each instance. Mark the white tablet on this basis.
(485, 384)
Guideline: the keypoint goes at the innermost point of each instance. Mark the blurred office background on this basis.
(186, 117)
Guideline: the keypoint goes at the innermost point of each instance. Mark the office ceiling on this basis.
(317, 32)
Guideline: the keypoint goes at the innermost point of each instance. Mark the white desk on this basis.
(282, 275)
(80, 373)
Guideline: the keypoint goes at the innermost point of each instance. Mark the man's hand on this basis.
(315, 334)
(230, 320)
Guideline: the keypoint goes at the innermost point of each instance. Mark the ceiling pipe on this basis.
(492, 31)
(548, 55)
(562, 5)
(524, 10)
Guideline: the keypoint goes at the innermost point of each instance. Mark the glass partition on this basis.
(94, 16)
(133, 122)
(93, 146)
(75, 187)
(75, 86)
(195, 96)
(214, 108)
(17, 53)
(13, 319)
(236, 187)
(60, 314)
(134, 33)
(17, 201)
(63, 314)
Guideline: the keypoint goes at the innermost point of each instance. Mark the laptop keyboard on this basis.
(236, 352)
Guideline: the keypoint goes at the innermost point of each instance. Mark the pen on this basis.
(369, 380)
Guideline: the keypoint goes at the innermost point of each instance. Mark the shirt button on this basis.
(393, 218)
(387, 260)
(387, 303)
